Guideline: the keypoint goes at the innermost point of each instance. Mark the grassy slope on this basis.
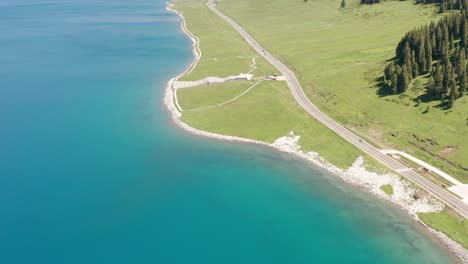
(267, 112)
(209, 95)
(338, 53)
(452, 225)
(224, 52)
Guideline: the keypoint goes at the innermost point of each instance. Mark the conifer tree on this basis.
(438, 42)
(452, 42)
(451, 100)
(438, 81)
(414, 65)
(444, 53)
(422, 57)
(461, 63)
(442, 7)
(428, 52)
(447, 77)
(430, 87)
(464, 34)
(402, 81)
(388, 73)
(462, 83)
(394, 86)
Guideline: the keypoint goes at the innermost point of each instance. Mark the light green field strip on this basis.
(213, 95)
(224, 52)
(268, 112)
(337, 55)
(452, 225)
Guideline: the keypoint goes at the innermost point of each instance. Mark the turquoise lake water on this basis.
(93, 171)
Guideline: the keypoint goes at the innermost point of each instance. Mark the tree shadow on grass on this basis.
(443, 106)
(391, 59)
(426, 98)
(382, 89)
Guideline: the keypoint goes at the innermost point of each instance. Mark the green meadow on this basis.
(210, 95)
(268, 112)
(224, 52)
(338, 53)
(450, 223)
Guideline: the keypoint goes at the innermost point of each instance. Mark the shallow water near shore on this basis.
(92, 170)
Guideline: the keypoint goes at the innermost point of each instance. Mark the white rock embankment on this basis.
(360, 176)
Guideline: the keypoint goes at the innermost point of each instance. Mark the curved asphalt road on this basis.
(304, 102)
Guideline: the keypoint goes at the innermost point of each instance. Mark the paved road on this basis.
(304, 102)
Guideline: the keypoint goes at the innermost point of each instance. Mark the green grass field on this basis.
(209, 95)
(337, 55)
(268, 112)
(224, 52)
(453, 225)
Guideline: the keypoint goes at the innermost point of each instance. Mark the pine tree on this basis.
(453, 83)
(445, 33)
(394, 83)
(456, 92)
(407, 56)
(428, 52)
(414, 65)
(461, 72)
(452, 41)
(444, 55)
(447, 77)
(402, 81)
(462, 83)
(430, 87)
(438, 38)
(451, 100)
(442, 7)
(422, 57)
(388, 73)
(438, 81)
(456, 26)
(461, 61)
(464, 34)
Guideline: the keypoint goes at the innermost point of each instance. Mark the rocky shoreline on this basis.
(357, 174)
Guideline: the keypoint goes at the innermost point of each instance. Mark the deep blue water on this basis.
(93, 171)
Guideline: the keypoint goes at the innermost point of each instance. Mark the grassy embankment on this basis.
(450, 223)
(209, 95)
(339, 53)
(265, 113)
